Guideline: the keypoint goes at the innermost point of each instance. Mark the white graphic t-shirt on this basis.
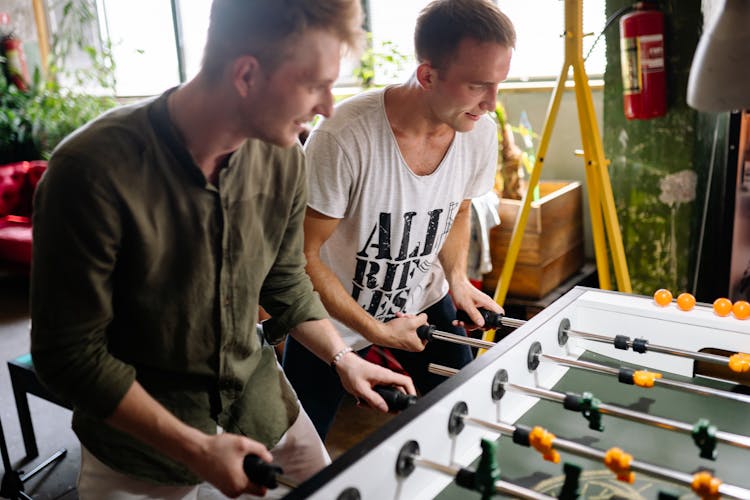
(393, 222)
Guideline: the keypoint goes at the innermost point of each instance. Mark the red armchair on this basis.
(17, 184)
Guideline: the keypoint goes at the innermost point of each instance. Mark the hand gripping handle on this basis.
(491, 318)
(260, 472)
(425, 332)
(396, 400)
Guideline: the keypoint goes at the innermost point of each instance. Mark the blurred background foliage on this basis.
(35, 120)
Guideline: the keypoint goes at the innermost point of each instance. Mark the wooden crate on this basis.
(552, 244)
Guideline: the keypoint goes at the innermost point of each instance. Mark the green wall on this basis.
(657, 188)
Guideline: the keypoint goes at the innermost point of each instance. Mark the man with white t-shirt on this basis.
(391, 176)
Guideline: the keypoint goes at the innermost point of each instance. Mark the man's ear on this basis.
(245, 74)
(426, 75)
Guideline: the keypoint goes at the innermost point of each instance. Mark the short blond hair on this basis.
(267, 29)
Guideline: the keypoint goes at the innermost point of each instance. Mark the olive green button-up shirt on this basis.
(144, 270)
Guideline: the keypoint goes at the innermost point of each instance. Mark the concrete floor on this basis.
(52, 423)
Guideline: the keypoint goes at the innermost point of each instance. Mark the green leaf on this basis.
(32, 123)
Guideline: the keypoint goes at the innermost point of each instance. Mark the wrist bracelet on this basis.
(340, 355)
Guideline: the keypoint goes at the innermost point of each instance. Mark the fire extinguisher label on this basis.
(15, 65)
(651, 52)
(639, 55)
(631, 77)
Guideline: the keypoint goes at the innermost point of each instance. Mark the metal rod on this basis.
(577, 363)
(460, 339)
(445, 469)
(285, 481)
(682, 386)
(649, 469)
(4, 450)
(179, 40)
(635, 416)
(500, 427)
(519, 491)
(500, 486)
(698, 356)
(42, 33)
(58, 455)
(512, 322)
(443, 370)
(729, 438)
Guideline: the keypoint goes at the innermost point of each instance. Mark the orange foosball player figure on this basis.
(542, 441)
(619, 462)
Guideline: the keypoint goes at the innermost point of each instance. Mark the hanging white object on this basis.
(720, 73)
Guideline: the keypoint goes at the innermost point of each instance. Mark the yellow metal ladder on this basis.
(601, 200)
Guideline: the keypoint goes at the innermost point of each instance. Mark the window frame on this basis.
(343, 83)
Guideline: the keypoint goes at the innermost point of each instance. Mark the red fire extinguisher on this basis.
(11, 49)
(15, 62)
(642, 58)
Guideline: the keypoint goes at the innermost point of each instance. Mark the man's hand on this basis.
(467, 298)
(453, 257)
(219, 461)
(401, 333)
(358, 377)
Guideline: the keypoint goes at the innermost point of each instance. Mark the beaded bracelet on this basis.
(340, 355)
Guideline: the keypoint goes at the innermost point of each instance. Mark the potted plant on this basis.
(33, 121)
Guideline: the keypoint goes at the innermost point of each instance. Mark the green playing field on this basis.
(646, 443)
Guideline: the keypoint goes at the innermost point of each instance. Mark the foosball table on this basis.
(595, 397)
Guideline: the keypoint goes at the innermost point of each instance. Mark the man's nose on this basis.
(325, 106)
(489, 100)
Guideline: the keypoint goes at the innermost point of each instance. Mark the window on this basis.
(539, 50)
(194, 15)
(144, 47)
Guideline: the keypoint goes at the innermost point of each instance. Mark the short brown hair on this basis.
(267, 28)
(443, 24)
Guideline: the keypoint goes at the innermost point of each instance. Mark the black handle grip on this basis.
(260, 472)
(425, 332)
(491, 318)
(396, 400)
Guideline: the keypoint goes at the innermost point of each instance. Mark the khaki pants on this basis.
(300, 452)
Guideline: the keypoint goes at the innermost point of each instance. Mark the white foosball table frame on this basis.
(370, 466)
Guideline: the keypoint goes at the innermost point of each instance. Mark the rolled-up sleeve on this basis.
(76, 234)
